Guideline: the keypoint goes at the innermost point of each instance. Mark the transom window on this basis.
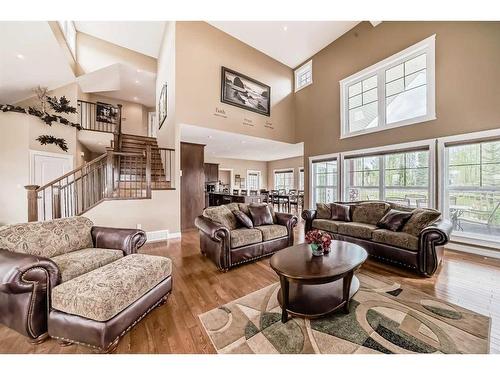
(303, 76)
(395, 92)
(401, 178)
(324, 181)
(283, 180)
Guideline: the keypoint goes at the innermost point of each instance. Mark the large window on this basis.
(253, 178)
(472, 188)
(394, 92)
(301, 178)
(283, 180)
(401, 177)
(324, 181)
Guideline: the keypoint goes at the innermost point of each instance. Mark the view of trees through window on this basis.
(472, 191)
(401, 178)
(325, 181)
(283, 180)
(253, 180)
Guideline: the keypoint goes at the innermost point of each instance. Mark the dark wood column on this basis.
(192, 183)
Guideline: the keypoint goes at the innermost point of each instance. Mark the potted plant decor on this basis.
(320, 242)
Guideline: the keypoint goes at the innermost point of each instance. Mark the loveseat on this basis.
(228, 243)
(418, 244)
(37, 256)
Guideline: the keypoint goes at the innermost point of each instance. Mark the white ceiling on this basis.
(221, 144)
(290, 42)
(120, 81)
(30, 56)
(141, 36)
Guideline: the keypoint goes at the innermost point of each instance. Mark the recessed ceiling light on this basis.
(210, 137)
(136, 98)
(285, 28)
(137, 81)
(243, 142)
(20, 57)
(139, 70)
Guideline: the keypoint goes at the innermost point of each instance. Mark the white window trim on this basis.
(301, 169)
(283, 170)
(427, 45)
(299, 71)
(310, 184)
(260, 177)
(400, 147)
(469, 238)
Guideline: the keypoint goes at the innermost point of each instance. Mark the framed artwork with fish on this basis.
(242, 91)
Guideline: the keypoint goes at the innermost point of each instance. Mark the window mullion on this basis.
(381, 177)
(381, 97)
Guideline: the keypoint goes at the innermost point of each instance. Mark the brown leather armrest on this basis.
(20, 273)
(127, 240)
(434, 235)
(442, 228)
(286, 219)
(308, 216)
(215, 231)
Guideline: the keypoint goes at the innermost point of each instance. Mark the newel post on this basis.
(32, 202)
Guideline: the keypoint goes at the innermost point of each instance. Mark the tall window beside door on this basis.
(253, 179)
(283, 180)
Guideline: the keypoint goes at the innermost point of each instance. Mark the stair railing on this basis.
(83, 188)
(90, 119)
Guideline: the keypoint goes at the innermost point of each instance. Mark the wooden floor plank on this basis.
(470, 281)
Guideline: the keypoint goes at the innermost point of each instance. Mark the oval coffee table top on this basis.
(297, 262)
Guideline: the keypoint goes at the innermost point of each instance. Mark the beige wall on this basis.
(290, 163)
(14, 167)
(201, 50)
(241, 166)
(467, 73)
(94, 53)
(134, 115)
(153, 214)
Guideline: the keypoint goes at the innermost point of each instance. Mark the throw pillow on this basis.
(340, 212)
(243, 219)
(323, 211)
(261, 215)
(420, 218)
(394, 220)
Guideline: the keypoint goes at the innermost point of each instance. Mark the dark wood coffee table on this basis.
(313, 286)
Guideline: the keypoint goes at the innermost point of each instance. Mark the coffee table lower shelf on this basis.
(316, 300)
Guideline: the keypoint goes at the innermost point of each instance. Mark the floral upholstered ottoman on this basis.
(99, 307)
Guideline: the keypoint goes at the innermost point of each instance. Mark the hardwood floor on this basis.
(467, 280)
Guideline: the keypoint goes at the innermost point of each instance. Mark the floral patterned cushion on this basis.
(78, 262)
(398, 239)
(221, 215)
(328, 225)
(420, 218)
(47, 238)
(103, 293)
(244, 236)
(369, 212)
(271, 232)
(358, 230)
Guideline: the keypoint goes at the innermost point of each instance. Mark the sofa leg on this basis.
(39, 339)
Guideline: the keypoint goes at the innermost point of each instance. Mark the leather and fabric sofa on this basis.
(228, 243)
(418, 244)
(35, 257)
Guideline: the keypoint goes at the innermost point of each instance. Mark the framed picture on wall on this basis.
(162, 106)
(106, 113)
(241, 91)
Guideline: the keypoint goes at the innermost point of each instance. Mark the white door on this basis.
(47, 167)
(152, 125)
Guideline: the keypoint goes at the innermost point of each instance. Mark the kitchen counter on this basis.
(218, 198)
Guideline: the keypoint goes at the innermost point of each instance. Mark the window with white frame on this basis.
(283, 180)
(399, 177)
(395, 92)
(303, 76)
(301, 178)
(253, 180)
(472, 188)
(69, 31)
(324, 181)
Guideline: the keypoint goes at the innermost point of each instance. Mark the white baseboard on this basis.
(489, 253)
(161, 235)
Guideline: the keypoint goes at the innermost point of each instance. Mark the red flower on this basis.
(317, 237)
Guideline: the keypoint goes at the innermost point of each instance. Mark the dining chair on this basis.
(254, 192)
(244, 192)
(236, 191)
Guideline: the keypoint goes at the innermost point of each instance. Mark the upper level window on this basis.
(69, 32)
(395, 92)
(303, 76)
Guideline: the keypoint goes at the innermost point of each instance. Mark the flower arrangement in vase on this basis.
(320, 241)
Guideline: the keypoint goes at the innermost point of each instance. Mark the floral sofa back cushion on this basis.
(47, 238)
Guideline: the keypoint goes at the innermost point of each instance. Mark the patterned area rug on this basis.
(383, 318)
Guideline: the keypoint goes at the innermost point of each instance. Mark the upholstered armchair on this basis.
(34, 257)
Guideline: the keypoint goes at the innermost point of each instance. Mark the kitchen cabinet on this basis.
(211, 172)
